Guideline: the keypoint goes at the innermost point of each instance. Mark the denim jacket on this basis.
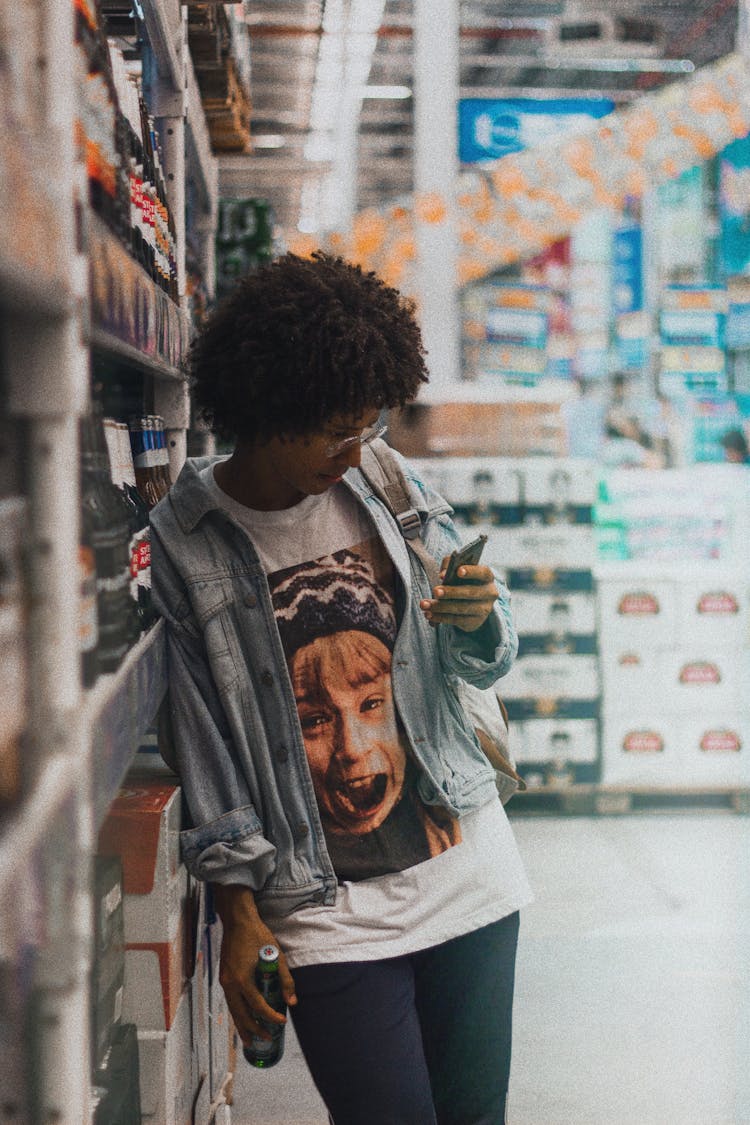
(253, 816)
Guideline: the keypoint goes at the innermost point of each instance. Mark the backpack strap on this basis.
(385, 476)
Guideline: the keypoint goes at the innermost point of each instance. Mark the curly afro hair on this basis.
(300, 341)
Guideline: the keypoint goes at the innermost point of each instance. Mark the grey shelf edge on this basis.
(205, 163)
(163, 38)
(25, 292)
(120, 708)
(59, 780)
(101, 340)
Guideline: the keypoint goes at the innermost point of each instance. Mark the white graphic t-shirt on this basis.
(332, 587)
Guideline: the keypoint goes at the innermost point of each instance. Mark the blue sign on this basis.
(492, 127)
(627, 282)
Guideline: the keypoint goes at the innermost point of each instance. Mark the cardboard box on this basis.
(116, 1086)
(168, 1083)
(638, 612)
(698, 680)
(716, 748)
(551, 677)
(550, 579)
(531, 545)
(108, 964)
(560, 483)
(466, 480)
(142, 828)
(714, 611)
(642, 749)
(544, 740)
(478, 429)
(631, 677)
(540, 614)
(220, 1018)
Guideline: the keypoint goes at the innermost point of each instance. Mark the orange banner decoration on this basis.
(521, 203)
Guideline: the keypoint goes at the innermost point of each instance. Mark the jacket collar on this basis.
(189, 496)
(191, 500)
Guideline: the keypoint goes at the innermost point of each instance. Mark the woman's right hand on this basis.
(244, 936)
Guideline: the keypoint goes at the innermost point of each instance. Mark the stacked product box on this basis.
(676, 673)
(165, 991)
(504, 423)
(537, 515)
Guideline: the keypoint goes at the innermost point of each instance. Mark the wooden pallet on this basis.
(621, 800)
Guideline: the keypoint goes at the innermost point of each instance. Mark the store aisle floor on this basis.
(633, 987)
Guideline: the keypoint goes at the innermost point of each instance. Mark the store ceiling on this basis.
(508, 48)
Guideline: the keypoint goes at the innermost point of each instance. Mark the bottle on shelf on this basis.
(13, 652)
(145, 602)
(120, 460)
(147, 462)
(160, 444)
(105, 522)
(88, 621)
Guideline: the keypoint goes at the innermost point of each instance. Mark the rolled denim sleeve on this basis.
(224, 840)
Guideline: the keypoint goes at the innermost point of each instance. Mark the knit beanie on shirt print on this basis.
(336, 593)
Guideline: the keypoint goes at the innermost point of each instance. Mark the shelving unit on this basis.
(70, 295)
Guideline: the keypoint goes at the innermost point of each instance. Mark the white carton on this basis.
(552, 677)
(543, 740)
(558, 545)
(559, 481)
(697, 680)
(632, 677)
(464, 481)
(638, 611)
(716, 748)
(642, 749)
(714, 611)
(540, 613)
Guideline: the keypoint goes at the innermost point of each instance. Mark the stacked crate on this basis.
(169, 988)
(676, 674)
(537, 514)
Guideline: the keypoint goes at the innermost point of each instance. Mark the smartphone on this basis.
(466, 556)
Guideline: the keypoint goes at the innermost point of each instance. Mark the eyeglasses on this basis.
(368, 435)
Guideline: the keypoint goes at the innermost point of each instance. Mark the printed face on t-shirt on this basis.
(342, 685)
(338, 626)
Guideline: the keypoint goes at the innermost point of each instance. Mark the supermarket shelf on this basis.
(620, 800)
(99, 339)
(130, 315)
(119, 710)
(58, 783)
(206, 165)
(163, 21)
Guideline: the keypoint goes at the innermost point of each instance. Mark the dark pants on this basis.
(413, 1040)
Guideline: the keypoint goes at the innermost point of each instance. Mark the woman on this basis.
(339, 801)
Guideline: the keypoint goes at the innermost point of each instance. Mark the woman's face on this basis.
(342, 687)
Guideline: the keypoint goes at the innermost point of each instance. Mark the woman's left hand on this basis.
(466, 606)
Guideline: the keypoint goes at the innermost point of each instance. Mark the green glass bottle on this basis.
(267, 1052)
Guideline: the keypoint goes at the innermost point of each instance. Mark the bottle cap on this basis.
(268, 954)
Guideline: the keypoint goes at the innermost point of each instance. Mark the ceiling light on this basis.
(585, 62)
(269, 140)
(389, 93)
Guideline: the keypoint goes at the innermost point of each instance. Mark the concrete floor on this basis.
(633, 985)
